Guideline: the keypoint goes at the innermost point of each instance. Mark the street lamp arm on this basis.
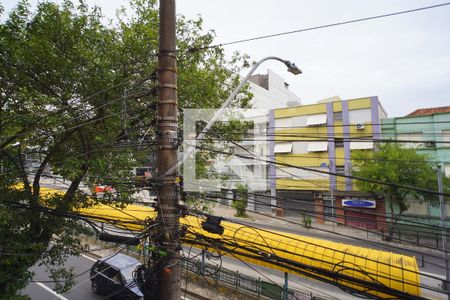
(292, 68)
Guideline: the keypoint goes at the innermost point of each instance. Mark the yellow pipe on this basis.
(399, 272)
(393, 270)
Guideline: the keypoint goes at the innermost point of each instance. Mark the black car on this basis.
(113, 276)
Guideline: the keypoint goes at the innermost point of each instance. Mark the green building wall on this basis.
(435, 134)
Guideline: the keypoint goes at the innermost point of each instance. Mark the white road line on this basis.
(51, 291)
(88, 257)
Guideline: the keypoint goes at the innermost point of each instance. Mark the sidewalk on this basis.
(329, 231)
(293, 224)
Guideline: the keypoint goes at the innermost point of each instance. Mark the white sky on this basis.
(404, 60)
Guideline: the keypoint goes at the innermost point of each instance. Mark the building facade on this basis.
(270, 91)
(312, 142)
(428, 132)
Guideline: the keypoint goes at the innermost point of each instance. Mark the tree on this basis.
(73, 88)
(240, 203)
(391, 163)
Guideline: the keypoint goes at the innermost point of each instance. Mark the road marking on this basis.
(433, 274)
(88, 257)
(51, 291)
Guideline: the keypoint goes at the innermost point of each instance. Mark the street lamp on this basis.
(291, 67)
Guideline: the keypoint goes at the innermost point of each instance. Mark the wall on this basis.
(312, 130)
(432, 128)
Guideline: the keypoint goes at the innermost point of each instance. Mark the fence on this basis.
(247, 284)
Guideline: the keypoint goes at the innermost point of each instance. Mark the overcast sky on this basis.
(404, 60)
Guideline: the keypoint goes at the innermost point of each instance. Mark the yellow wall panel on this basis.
(311, 159)
(298, 185)
(338, 128)
(303, 110)
(301, 133)
(339, 154)
(337, 106)
(359, 103)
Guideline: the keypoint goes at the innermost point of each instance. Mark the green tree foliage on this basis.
(73, 88)
(240, 203)
(391, 163)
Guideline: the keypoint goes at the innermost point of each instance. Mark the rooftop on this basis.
(429, 111)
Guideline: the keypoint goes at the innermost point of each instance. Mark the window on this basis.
(316, 120)
(296, 173)
(337, 115)
(360, 116)
(445, 138)
(338, 142)
(262, 127)
(299, 147)
(412, 140)
(317, 146)
(361, 145)
(283, 148)
(283, 123)
(299, 121)
(340, 170)
(430, 144)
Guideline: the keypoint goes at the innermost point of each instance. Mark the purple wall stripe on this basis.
(331, 146)
(346, 136)
(376, 119)
(271, 133)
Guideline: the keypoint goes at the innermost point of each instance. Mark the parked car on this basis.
(113, 276)
(101, 188)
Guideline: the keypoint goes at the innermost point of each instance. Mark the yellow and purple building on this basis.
(311, 143)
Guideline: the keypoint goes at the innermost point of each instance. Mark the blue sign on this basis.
(359, 203)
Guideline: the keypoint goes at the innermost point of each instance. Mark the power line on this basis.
(354, 123)
(292, 137)
(258, 252)
(375, 243)
(209, 197)
(329, 173)
(321, 27)
(325, 216)
(32, 128)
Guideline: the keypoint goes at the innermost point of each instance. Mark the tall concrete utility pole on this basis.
(168, 277)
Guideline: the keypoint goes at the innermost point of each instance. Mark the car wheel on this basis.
(95, 288)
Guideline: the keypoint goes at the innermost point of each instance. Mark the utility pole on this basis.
(169, 265)
(443, 230)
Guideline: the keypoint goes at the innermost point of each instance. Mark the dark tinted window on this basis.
(107, 270)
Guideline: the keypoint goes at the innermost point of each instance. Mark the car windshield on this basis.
(128, 272)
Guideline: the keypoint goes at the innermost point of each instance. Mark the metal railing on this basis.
(245, 283)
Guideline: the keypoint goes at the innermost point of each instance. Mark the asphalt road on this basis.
(42, 290)
(39, 289)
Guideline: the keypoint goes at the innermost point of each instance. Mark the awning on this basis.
(316, 120)
(283, 148)
(361, 145)
(317, 146)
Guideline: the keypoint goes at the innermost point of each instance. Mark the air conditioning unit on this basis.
(430, 144)
(359, 126)
(317, 195)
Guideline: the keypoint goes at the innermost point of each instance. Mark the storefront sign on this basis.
(359, 203)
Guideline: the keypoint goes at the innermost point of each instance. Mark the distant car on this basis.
(103, 188)
(113, 276)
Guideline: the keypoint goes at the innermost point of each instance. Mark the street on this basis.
(81, 290)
